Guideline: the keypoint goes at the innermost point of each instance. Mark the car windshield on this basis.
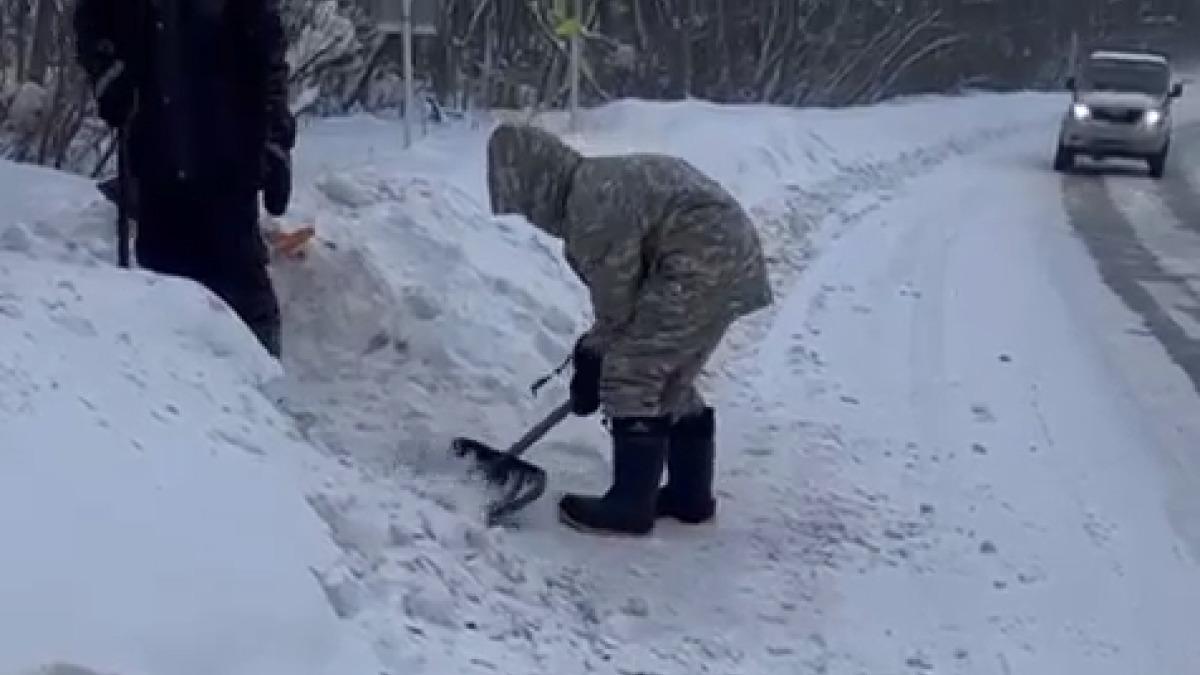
(1128, 76)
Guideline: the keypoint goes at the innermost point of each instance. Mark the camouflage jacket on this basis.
(621, 218)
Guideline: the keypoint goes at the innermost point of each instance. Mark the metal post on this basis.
(409, 103)
(489, 26)
(576, 57)
(1072, 60)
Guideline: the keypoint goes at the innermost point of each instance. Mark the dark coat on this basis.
(210, 80)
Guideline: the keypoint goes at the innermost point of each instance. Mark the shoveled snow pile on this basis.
(152, 501)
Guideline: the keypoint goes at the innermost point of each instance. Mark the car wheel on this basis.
(1158, 163)
(1064, 159)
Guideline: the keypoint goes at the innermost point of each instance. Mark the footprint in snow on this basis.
(11, 310)
(579, 450)
(637, 607)
(1100, 531)
(982, 413)
(16, 239)
(382, 340)
(918, 662)
(61, 669)
(346, 596)
(420, 305)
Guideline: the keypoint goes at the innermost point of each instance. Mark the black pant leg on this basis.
(211, 235)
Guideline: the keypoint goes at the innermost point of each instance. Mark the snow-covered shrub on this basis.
(329, 49)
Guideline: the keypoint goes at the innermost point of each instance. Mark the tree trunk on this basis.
(20, 39)
(39, 52)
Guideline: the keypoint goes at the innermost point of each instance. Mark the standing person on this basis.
(200, 89)
(671, 261)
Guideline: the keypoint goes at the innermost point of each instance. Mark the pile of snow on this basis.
(151, 499)
(48, 214)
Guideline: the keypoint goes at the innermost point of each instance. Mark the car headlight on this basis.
(1081, 111)
(1152, 118)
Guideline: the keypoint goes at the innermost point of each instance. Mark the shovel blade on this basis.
(522, 483)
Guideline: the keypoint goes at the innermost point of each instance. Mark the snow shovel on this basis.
(522, 483)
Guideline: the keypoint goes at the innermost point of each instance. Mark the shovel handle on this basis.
(540, 429)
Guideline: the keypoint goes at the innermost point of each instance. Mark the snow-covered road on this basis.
(1144, 238)
(966, 339)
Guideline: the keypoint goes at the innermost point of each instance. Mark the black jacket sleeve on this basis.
(280, 126)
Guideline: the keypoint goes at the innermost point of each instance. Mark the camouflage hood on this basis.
(529, 173)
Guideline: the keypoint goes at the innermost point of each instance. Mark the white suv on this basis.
(1121, 107)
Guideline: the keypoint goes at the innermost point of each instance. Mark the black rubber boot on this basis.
(691, 456)
(639, 452)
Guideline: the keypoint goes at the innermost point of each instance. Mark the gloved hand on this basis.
(585, 381)
(276, 179)
(114, 95)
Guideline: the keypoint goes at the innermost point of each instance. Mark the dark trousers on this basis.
(210, 234)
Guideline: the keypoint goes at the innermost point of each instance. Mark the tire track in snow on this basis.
(1178, 191)
(1137, 252)
(1131, 268)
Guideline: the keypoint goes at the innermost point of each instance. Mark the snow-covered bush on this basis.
(327, 53)
(340, 62)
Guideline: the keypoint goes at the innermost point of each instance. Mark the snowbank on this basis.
(151, 500)
(52, 215)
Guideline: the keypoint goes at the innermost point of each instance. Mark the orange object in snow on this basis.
(290, 244)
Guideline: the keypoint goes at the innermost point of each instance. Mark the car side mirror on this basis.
(1071, 83)
(1177, 90)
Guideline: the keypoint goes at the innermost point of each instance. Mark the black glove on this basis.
(276, 179)
(114, 95)
(585, 381)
